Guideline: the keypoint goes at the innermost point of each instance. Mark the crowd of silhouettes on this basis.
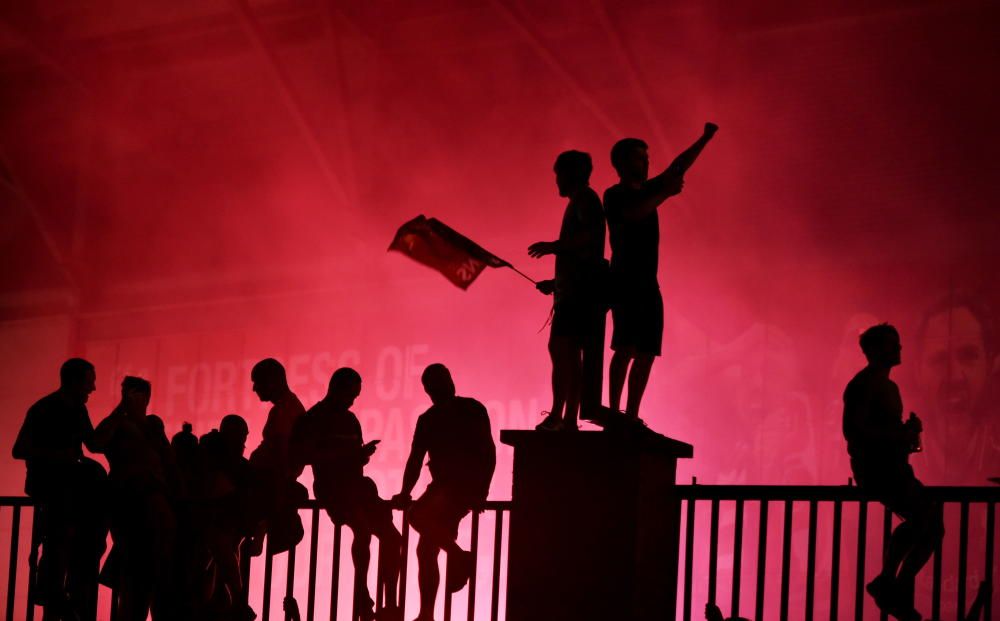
(183, 513)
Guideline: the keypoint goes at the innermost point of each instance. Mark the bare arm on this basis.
(412, 470)
(669, 182)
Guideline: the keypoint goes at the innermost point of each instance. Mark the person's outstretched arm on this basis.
(670, 182)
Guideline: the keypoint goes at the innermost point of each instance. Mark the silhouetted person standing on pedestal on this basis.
(329, 439)
(576, 338)
(455, 433)
(879, 443)
(69, 494)
(143, 525)
(634, 231)
(279, 493)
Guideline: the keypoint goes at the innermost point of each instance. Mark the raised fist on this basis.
(710, 129)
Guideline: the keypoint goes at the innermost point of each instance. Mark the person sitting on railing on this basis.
(879, 444)
(68, 491)
(279, 492)
(328, 438)
(455, 433)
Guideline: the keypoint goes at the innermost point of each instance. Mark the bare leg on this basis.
(429, 577)
(638, 377)
(561, 379)
(361, 555)
(574, 372)
(617, 373)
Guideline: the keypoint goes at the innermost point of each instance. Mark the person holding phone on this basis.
(328, 438)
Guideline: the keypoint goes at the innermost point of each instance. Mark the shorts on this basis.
(897, 488)
(637, 313)
(438, 512)
(580, 321)
(353, 503)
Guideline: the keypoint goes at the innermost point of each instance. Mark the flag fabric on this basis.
(440, 247)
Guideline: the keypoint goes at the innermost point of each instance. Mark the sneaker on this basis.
(881, 589)
(460, 566)
(550, 423)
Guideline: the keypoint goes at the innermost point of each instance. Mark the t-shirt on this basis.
(52, 424)
(138, 453)
(272, 454)
(873, 407)
(635, 244)
(577, 270)
(329, 439)
(457, 438)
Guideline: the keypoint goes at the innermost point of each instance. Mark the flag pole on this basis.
(523, 275)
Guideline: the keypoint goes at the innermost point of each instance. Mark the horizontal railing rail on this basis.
(705, 509)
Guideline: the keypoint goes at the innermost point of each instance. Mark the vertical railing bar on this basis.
(886, 534)
(335, 572)
(405, 551)
(245, 560)
(988, 572)
(761, 561)
(713, 550)
(835, 561)
(734, 605)
(497, 543)
(448, 597)
(474, 549)
(811, 560)
(936, 584)
(15, 538)
(268, 560)
(688, 557)
(786, 559)
(29, 614)
(379, 578)
(963, 554)
(313, 560)
(290, 577)
(859, 576)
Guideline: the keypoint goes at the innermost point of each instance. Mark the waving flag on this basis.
(438, 246)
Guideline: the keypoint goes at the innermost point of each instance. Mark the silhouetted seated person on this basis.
(576, 338)
(455, 433)
(631, 207)
(69, 494)
(280, 494)
(879, 443)
(329, 439)
(225, 514)
(143, 524)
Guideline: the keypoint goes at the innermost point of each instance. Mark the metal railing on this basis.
(731, 502)
(843, 509)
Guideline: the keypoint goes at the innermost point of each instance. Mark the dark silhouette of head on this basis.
(345, 386)
(880, 344)
(956, 356)
(572, 170)
(630, 158)
(234, 431)
(269, 380)
(184, 442)
(438, 383)
(136, 392)
(77, 379)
